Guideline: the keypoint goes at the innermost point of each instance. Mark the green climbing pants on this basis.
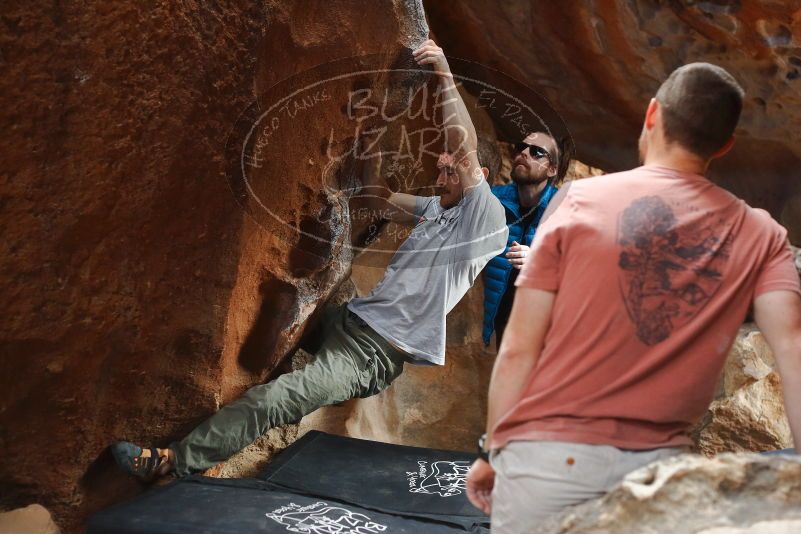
(353, 361)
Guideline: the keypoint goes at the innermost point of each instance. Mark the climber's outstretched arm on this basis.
(460, 134)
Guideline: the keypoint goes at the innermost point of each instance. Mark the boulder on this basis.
(33, 519)
(693, 494)
(141, 287)
(747, 413)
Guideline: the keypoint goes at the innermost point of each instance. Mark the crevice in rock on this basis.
(277, 300)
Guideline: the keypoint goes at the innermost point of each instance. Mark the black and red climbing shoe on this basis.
(132, 459)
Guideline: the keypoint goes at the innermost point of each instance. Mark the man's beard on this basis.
(526, 179)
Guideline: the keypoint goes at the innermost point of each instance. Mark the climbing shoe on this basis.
(145, 464)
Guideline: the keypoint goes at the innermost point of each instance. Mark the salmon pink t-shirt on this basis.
(654, 271)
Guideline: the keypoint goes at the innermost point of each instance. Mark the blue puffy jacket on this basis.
(498, 270)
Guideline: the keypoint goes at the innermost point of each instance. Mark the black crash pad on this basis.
(321, 484)
(408, 481)
(202, 505)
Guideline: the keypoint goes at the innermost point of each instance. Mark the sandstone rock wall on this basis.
(137, 294)
(599, 63)
(143, 286)
(121, 241)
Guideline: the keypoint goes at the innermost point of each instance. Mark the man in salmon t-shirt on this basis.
(626, 308)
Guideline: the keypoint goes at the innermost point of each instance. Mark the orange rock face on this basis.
(166, 242)
(137, 294)
(598, 64)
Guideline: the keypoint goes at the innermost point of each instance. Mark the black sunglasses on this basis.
(534, 151)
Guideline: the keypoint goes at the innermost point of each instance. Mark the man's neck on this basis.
(677, 159)
(528, 195)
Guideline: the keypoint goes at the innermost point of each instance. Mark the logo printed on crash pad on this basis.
(324, 518)
(443, 478)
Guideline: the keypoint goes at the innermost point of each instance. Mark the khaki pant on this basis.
(537, 479)
(353, 361)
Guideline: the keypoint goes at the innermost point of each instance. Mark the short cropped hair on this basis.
(701, 104)
(489, 155)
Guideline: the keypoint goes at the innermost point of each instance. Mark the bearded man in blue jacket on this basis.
(539, 162)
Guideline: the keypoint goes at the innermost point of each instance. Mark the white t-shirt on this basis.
(432, 270)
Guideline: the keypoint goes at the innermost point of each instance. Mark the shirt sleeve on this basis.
(483, 223)
(541, 269)
(425, 206)
(779, 272)
(475, 203)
